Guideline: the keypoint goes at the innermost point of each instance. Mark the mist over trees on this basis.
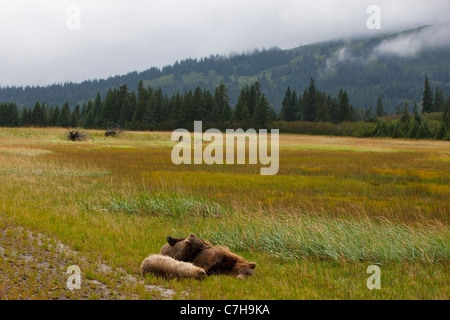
(354, 65)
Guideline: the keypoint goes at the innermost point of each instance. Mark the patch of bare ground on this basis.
(34, 266)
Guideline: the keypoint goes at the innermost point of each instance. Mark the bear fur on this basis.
(215, 259)
(169, 267)
(183, 249)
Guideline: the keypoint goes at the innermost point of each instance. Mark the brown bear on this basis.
(183, 249)
(169, 267)
(215, 259)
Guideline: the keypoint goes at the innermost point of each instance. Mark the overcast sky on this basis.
(47, 41)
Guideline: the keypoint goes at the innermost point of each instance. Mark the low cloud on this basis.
(342, 55)
(410, 44)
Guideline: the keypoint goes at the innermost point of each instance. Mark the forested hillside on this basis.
(358, 66)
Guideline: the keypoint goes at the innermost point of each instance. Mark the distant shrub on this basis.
(76, 135)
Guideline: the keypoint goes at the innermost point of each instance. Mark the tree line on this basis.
(151, 109)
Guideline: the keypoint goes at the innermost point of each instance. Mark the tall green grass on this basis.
(295, 234)
(301, 235)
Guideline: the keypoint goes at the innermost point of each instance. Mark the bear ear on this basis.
(187, 240)
(171, 241)
(253, 265)
(192, 235)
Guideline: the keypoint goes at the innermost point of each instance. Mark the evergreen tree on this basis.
(405, 115)
(333, 113)
(222, 109)
(405, 121)
(262, 112)
(13, 114)
(413, 127)
(241, 102)
(177, 116)
(439, 101)
(345, 110)
(108, 116)
(38, 116)
(380, 108)
(75, 117)
(423, 132)
(369, 116)
(9, 116)
(295, 103)
(89, 118)
(54, 116)
(26, 117)
(444, 127)
(127, 110)
(97, 110)
(186, 110)
(309, 102)
(64, 116)
(245, 116)
(322, 110)
(289, 107)
(427, 100)
(253, 98)
(417, 116)
(197, 111)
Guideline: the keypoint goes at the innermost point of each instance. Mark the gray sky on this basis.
(40, 42)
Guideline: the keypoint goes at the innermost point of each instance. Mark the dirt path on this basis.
(34, 266)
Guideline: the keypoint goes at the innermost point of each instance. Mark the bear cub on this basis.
(183, 249)
(168, 267)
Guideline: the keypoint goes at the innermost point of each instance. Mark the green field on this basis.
(336, 206)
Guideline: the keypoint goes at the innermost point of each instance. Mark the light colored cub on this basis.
(168, 267)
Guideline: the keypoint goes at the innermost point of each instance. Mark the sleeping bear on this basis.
(213, 259)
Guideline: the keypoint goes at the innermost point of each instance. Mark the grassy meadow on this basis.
(336, 206)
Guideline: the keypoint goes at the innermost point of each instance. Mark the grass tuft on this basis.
(161, 205)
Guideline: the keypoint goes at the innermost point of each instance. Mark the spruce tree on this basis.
(54, 116)
(8, 115)
(241, 102)
(222, 109)
(262, 112)
(345, 110)
(64, 116)
(380, 109)
(427, 100)
(75, 117)
(417, 116)
(310, 102)
(108, 114)
(369, 116)
(295, 105)
(321, 111)
(198, 105)
(439, 101)
(287, 108)
(413, 126)
(404, 121)
(38, 116)
(97, 110)
(88, 121)
(126, 111)
(405, 114)
(423, 132)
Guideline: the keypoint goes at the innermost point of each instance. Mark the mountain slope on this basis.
(391, 66)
